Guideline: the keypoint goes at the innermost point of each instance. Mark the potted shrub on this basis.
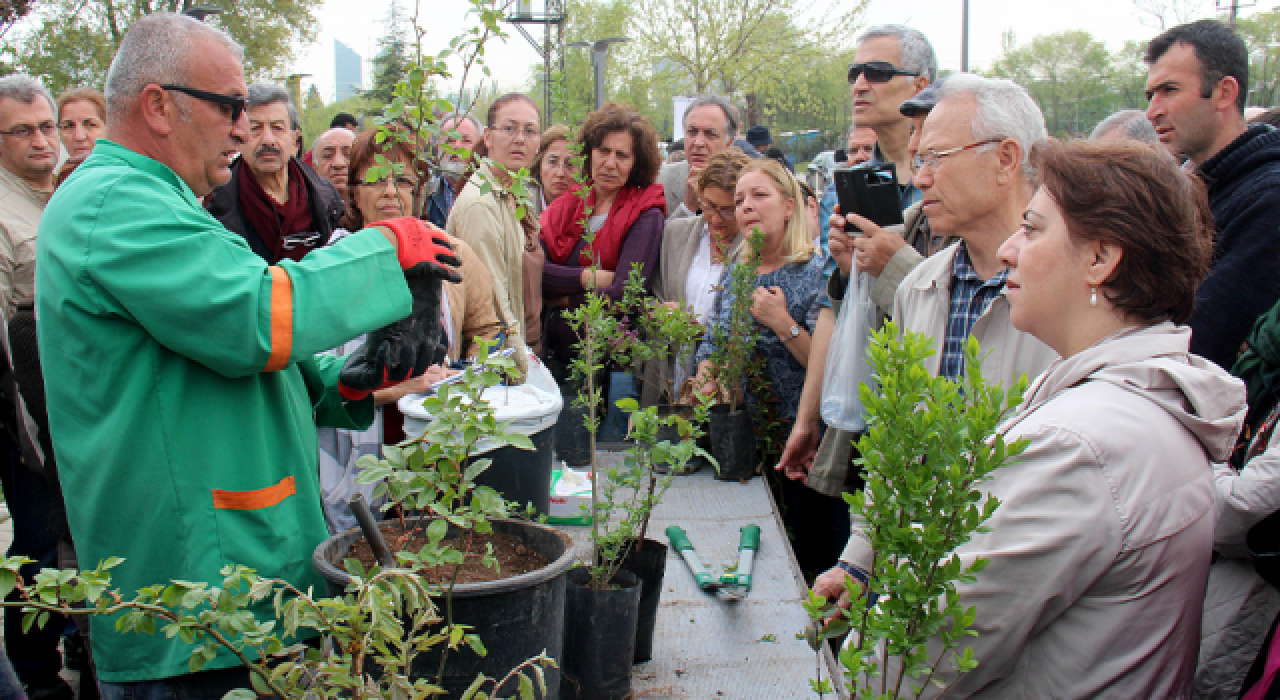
(732, 438)
(464, 530)
(929, 443)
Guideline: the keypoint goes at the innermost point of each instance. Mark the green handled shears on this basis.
(733, 585)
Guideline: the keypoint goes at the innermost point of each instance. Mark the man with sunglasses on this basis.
(182, 379)
(28, 154)
(891, 64)
(276, 201)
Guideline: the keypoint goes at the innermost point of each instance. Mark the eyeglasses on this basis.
(403, 183)
(511, 130)
(724, 214)
(876, 71)
(24, 132)
(932, 158)
(236, 104)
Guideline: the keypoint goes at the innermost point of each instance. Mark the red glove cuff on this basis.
(351, 394)
(414, 239)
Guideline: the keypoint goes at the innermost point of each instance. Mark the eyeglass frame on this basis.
(936, 159)
(48, 129)
(412, 183)
(510, 130)
(885, 68)
(237, 104)
(733, 211)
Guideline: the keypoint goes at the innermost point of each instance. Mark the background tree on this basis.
(392, 61)
(1163, 14)
(313, 99)
(72, 41)
(1261, 32)
(1069, 74)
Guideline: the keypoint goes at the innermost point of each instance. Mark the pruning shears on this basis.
(731, 584)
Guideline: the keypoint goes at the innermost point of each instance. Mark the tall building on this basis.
(347, 68)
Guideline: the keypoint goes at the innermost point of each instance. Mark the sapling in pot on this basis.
(930, 444)
(734, 351)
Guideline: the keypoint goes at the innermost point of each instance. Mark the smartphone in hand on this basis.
(869, 190)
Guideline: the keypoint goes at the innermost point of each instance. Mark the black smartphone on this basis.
(869, 190)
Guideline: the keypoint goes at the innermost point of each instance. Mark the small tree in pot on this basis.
(734, 351)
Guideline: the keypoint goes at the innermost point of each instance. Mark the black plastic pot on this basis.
(573, 441)
(1263, 542)
(671, 434)
(517, 618)
(520, 475)
(648, 563)
(732, 443)
(600, 636)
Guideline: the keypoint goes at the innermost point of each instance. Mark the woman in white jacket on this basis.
(1100, 549)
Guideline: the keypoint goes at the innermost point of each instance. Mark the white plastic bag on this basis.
(847, 366)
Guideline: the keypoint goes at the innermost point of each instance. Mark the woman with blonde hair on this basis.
(788, 282)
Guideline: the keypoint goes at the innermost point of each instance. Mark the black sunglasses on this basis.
(876, 71)
(236, 104)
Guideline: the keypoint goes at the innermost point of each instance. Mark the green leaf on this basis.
(437, 530)
(526, 687)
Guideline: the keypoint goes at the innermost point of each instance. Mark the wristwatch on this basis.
(795, 332)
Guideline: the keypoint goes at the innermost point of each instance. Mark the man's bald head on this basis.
(332, 155)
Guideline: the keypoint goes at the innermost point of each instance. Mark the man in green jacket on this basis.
(183, 386)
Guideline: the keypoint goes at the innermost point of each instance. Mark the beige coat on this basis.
(488, 224)
(21, 206)
(470, 304)
(922, 304)
(1100, 548)
(673, 177)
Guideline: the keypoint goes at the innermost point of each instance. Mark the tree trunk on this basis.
(754, 115)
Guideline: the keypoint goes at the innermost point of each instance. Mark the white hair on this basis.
(916, 51)
(25, 89)
(1004, 110)
(156, 50)
(1131, 123)
(315, 145)
(730, 112)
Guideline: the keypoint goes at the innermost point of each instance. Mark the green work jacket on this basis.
(183, 387)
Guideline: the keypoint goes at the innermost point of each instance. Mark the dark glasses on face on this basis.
(235, 103)
(876, 71)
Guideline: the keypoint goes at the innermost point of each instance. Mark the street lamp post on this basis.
(599, 56)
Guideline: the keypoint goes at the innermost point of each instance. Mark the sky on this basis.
(360, 24)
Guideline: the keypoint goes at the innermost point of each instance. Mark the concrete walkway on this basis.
(705, 647)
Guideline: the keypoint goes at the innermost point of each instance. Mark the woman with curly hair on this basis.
(627, 211)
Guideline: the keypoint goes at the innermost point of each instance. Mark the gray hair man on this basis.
(975, 180)
(278, 203)
(332, 156)
(182, 380)
(1126, 124)
(459, 131)
(28, 154)
(710, 126)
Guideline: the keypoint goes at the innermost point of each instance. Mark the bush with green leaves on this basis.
(930, 444)
(734, 343)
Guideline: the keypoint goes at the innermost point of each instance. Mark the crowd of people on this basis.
(214, 299)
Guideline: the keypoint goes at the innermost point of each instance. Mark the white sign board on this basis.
(679, 104)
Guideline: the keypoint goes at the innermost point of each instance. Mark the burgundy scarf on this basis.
(562, 223)
(277, 223)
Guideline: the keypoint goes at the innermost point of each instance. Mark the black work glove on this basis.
(406, 348)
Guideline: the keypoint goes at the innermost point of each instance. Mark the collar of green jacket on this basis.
(1259, 363)
(107, 151)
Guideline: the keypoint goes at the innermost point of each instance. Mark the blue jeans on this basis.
(622, 385)
(206, 685)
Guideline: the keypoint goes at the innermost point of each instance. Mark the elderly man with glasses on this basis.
(710, 127)
(28, 154)
(182, 381)
(278, 203)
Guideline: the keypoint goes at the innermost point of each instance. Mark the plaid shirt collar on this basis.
(971, 296)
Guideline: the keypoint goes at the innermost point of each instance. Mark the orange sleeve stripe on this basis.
(281, 319)
(254, 500)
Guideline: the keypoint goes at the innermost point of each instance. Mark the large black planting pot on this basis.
(649, 564)
(522, 476)
(1263, 542)
(517, 618)
(732, 443)
(572, 440)
(599, 639)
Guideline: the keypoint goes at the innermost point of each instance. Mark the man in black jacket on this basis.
(275, 201)
(1197, 81)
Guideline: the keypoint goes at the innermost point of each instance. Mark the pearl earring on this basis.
(1093, 297)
